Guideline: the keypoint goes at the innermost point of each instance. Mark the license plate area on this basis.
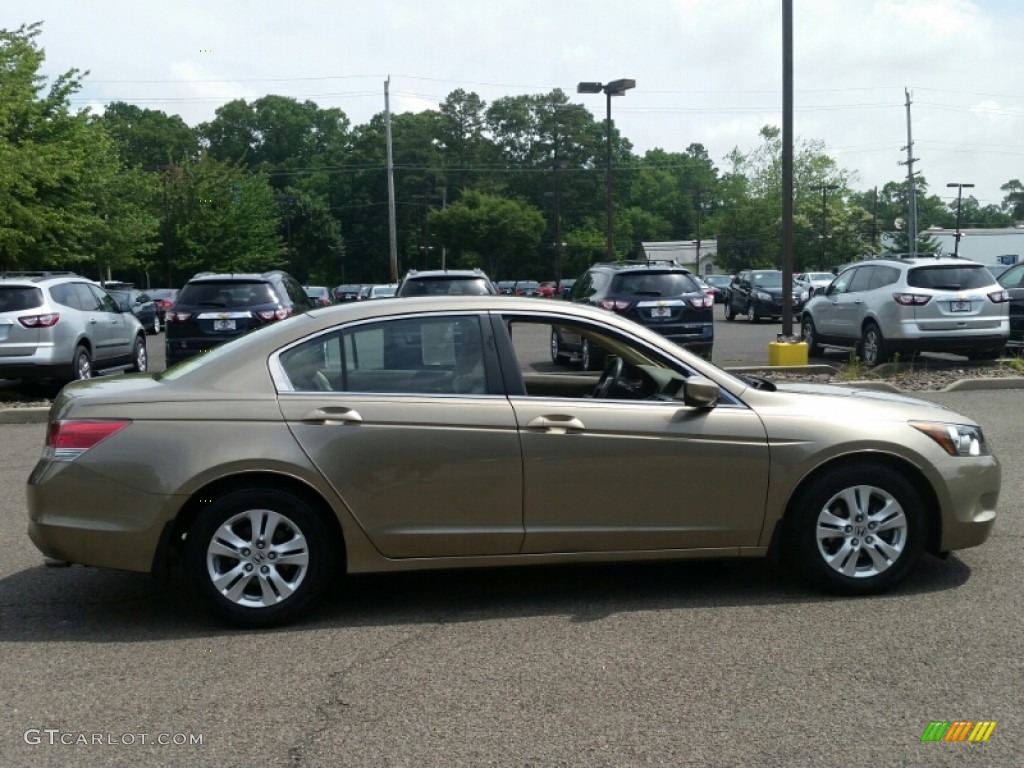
(223, 325)
(661, 312)
(959, 306)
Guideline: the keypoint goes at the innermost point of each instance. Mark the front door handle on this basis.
(556, 424)
(332, 415)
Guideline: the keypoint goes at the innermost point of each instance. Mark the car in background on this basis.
(445, 282)
(661, 295)
(140, 304)
(1012, 280)
(61, 326)
(214, 308)
(526, 288)
(565, 286)
(998, 269)
(292, 457)
(813, 281)
(547, 290)
(757, 293)
(318, 295)
(929, 303)
(384, 291)
(164, 299)
(505, 287)
(344, 293)
(719, 284)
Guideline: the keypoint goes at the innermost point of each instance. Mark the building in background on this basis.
(685, 253)
(986, 246)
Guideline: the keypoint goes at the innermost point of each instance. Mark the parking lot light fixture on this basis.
(614, 88)
(959, 198)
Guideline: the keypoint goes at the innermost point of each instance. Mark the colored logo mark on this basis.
(958, 730)
(206, 50)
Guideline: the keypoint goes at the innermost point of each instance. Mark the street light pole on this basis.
(614, 88)
(825, 189)
(959, 198)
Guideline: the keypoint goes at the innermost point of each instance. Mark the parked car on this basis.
(307, 446)
(445, 282)
(164, 299)
(141, 305)
(526, 288)
(343, 293)
(505, 287)
(813, 281)
(318, 295)
(384, 291)
(659, 294)
(1012, 280)
(565, 286)
(214, 308)
(894, 305)
(547, 290)
(719, 284)
(61, 326)
(757, 293)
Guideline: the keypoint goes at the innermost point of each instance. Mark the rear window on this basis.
(953, 278)
(233, 293)
(656, 284)
(14, 298)
(442, 286)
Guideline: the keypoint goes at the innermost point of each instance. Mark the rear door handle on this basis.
(557, 424)
(332, 415)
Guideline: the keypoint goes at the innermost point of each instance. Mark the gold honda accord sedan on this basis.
(447, 432)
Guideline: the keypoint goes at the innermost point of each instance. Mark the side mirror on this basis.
(698, 392)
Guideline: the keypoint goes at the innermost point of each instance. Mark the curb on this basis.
(34, 415)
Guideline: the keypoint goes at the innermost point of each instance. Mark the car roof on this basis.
(443, 273)
(660, 265)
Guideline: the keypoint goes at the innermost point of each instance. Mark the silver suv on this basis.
(894, 305)
(446, 282)
(58, 325)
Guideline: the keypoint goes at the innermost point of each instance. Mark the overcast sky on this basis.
(707, 71)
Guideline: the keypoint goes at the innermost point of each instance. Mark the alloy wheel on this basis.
(861, 531)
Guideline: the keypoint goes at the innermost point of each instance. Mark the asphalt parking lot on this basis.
(669, 664)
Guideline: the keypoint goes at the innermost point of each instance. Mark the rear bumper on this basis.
(953, 344)
(177, 350)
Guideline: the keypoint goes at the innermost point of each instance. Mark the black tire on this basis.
(752, 313)
(730, 311)
(872, 346)
(809, 334)
(81, 364)
(558, 357)
(157, 325)
(263, 593)
(590, 359)
(866, 555)
(985, 354)
(140, 358)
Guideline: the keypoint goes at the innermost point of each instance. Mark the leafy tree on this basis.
(147, 137)
(1013, 202)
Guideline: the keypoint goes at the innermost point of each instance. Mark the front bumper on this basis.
(968, 491)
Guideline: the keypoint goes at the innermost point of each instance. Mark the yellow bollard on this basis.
(787, 353)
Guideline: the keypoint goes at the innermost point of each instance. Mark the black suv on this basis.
(446, 282)
(214, 308)
(661, 295)
(757, 293)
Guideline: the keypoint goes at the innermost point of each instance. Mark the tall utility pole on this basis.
(392, 226)
(697, 208)
(787, 170)
(555, 195)
(911, 191)
(825, 189)
(874, 222)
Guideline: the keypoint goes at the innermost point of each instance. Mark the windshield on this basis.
(767, 279)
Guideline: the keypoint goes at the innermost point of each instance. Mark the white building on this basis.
(988, 246)
(685, 252)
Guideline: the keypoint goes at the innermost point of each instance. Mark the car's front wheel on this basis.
(558, 357)
(752, 313)
(259, 556)
(157, 326)
(810, 336)
(730, 311)
(858, 529)
(590, 360)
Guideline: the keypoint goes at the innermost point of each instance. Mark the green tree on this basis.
(1013, 202)
(147, 137)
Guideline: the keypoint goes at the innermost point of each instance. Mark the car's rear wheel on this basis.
(259, 556)
(140, 360)
(81, 364)
(558, 357)
(858, 529)
(872, 346)
(730, 311)
(810, 336)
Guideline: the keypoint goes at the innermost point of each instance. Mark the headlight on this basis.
(804, 296)
(955, 439)
(763, 296)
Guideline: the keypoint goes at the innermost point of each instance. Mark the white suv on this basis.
(926, 303)
(58, 325)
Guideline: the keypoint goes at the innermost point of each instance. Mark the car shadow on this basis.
(97, 605)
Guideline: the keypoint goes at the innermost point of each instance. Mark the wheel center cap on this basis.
(257, 558)
(860, 530)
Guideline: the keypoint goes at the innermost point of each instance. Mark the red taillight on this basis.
(68, 440)
(703, 302)
(912, 299)
(999, 297)
(275, 314)
(40, 321)
(614, 306)
(177, 317)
